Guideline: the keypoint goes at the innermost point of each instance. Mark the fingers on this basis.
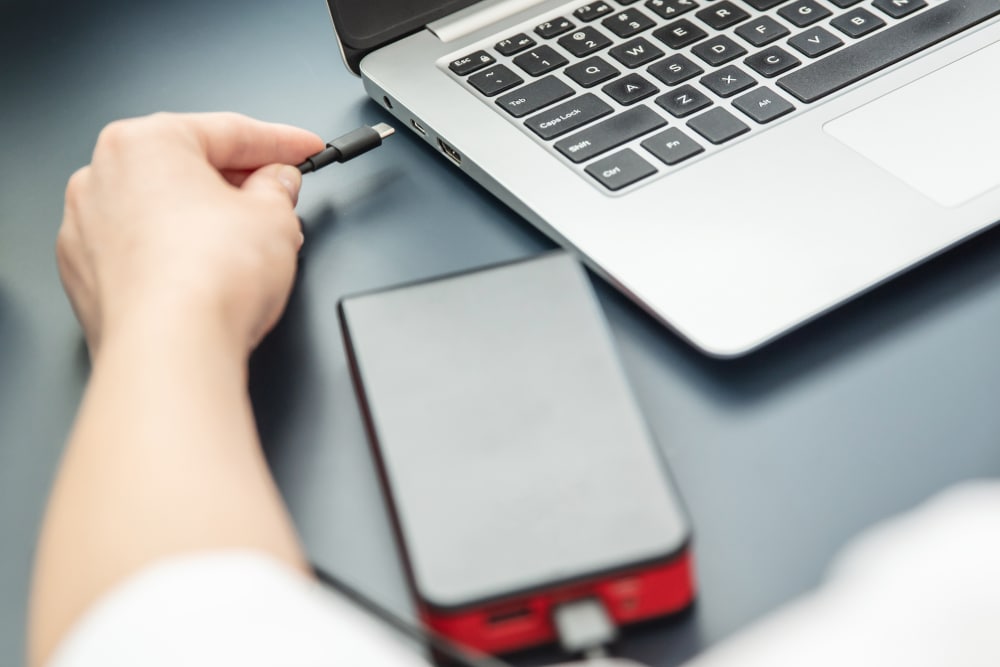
(232, 141)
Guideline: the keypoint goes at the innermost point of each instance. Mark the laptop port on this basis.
(455, 156)
(418, 127)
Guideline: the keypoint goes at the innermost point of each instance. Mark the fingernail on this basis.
(291, 179)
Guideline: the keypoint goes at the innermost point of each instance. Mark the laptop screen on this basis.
(365, 25)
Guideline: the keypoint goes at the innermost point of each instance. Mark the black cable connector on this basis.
(347, 147)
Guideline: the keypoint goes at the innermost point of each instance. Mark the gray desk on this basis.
(781, 457)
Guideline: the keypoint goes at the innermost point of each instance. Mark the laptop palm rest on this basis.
(938, 134)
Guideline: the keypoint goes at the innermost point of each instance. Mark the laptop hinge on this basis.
(482, 14)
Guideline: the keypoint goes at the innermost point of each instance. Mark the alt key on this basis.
(621, 169)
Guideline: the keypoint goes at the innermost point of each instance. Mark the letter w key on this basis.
(635, 52)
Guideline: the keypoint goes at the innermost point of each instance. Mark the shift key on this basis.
(568, 116)
(610, 133)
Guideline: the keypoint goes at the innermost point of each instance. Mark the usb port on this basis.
(418, 127)
(455, 156)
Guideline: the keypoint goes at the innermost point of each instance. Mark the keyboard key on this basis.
(672, 146)
(593, 12)
(764, 5)
(554, 28)
(772, 61)
(540, 60)
(568, 116)
(629, 89)
(471, 63)
(675, 69)
(679, 34)
(763, 105)
(718, 125)
(897, 9)
(534, 96)
(591, 72)
(857, 22)
(495, 80)
(718, 50)
(911, 36)
(728, 81)
(584, 41)
(684, 101)
(815, 42)
(721, 15)
(515, 44)
(628, 23)
(803, 12)
(621, 169)
(844, 4)
(610, 133)
(669, 9)
(636, 52)
(762, 30)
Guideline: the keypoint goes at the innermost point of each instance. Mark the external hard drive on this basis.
(519, 470)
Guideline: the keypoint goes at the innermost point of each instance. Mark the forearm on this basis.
(164, 459)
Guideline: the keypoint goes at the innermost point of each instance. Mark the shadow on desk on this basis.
(957, 277)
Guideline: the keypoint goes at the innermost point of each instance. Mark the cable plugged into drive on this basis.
(584, 627)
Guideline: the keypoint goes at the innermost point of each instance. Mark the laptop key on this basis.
(679, 34)
(635, 53)
(495, 80)
(534, 96)
(844, 4)
(554, 28)
(591, 71)
(772, 61)
(610, 133)
(761, 31)
(675, 69)
(471, 63)
(628, 23)
(584, 41)
(857, 22)
(728, 81)
(630, 89)
(669, 9)
(897, 9)
(763, 105)
(515, 44)
(721, 15)
(885, 48)
(593, 12)
(803, 12)
(672, 146)
(540, 60)
(815, 42)
(718, 50)
(568, 116)
(718, 125)
(621, 169)
(684, 101)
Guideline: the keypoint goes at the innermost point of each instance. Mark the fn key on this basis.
(621, 169)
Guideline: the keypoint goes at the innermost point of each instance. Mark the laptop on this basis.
(736, 167)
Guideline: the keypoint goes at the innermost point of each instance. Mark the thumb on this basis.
(274, 179)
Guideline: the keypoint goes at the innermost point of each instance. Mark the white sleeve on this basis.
(228, 608)
(921, 590)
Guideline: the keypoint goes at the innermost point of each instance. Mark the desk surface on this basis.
(781, 457)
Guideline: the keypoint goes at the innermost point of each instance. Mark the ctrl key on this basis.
(621, 169)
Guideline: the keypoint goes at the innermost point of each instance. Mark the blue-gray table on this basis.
(781, 457)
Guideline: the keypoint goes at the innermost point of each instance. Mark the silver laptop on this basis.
(736, 167)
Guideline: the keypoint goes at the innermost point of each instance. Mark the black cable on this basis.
(463, 656)
(347, 147)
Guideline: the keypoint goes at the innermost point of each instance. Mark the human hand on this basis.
(185, 218)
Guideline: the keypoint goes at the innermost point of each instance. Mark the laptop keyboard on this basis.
(623, 91)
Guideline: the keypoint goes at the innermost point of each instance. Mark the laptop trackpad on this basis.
(939, 134)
